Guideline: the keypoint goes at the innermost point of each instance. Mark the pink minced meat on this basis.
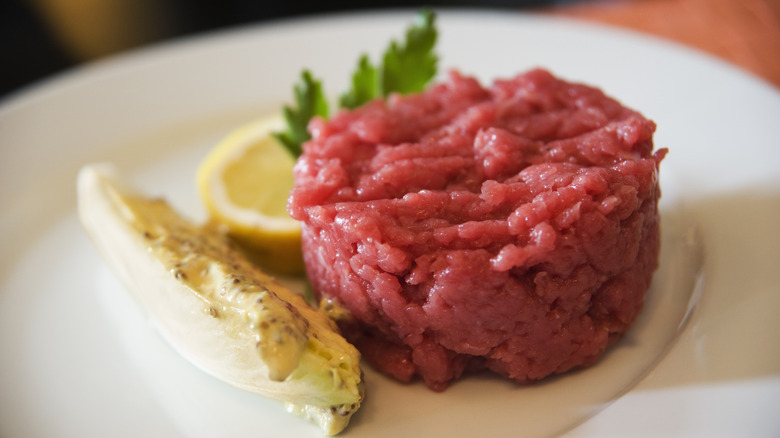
(513, 228)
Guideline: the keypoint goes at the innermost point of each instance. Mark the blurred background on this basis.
(39, 38)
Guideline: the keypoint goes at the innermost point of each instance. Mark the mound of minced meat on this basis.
(512, 228)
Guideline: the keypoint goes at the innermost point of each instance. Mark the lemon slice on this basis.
(244, 183)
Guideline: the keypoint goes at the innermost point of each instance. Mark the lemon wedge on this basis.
(244, 183)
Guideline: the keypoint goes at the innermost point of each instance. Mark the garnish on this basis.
(365, 85)
(405, 68)
(311, 102)
(409, 68)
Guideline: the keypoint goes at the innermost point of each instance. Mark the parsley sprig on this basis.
(405, 68)
(409, 68)
(365, 85)
(311, 102)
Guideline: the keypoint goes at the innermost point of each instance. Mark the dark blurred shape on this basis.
(27, 49)
(39, 38)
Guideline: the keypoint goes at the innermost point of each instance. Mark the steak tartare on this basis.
(512, 227)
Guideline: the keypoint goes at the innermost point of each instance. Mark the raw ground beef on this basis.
(513, 228)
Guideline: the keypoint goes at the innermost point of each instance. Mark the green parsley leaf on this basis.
(311, 102)
(365, 85)
(405, 69)
(408, 68)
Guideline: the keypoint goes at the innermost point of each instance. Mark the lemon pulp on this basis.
(244, 182)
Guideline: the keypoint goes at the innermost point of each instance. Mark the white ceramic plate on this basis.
(79, 359)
